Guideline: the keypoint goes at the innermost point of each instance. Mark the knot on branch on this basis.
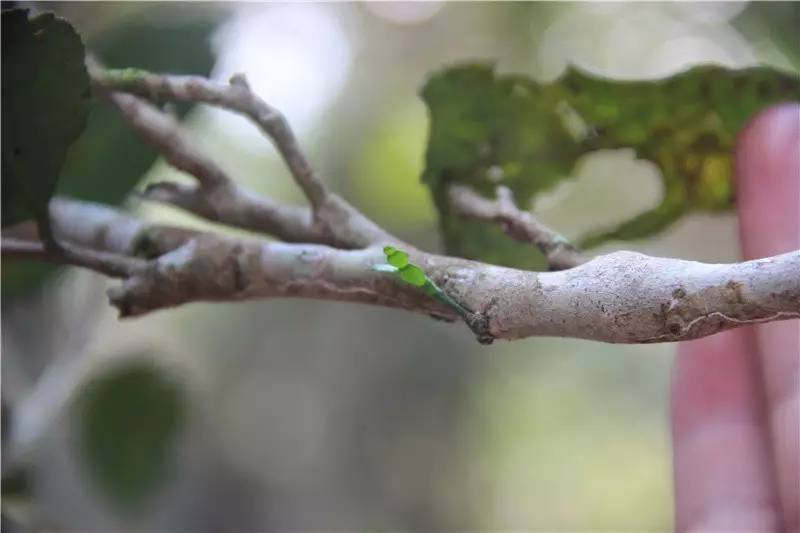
(479, 324)
(204, 268)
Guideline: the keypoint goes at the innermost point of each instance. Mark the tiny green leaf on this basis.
(398, 259)
(413, 275)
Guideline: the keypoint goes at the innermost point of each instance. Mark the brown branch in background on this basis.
(218, 197)
(164, 134)
(341, 222)
(235, 96)
(235, 206)
(518, 224)
(109, 264)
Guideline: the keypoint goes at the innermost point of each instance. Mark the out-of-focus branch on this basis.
(336, 218)
(235, 96)
(520, 225)
(218, 197)
(620, 297)
(235, 206)
(109, 264)
(164, 134)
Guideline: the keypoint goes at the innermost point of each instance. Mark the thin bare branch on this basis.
(235, 206)
(218, 198)
(235, 96)
(339, 222)
(109, 264)
(518, 224)
(164, 134)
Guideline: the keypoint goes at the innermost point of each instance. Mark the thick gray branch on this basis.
(621, 297)
(518, 224)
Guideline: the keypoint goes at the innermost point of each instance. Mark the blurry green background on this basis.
(306, 415)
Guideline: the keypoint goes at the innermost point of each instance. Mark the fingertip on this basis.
(767, 171)
(711, 377)
(721, 459)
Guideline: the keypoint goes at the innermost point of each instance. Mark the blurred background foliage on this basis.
(108, 160)
(309, 415)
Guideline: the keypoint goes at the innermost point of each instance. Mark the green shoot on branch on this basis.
(397, 264)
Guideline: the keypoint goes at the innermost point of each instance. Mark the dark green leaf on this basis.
(413, 275)
(488, 130)
(108, 160)
(128, 420)
(45, 103)
(774, 22)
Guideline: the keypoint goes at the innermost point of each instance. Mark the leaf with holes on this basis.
(488, 129)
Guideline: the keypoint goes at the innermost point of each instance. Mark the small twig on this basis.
(235, 206)
(338, 222)
(235, 96)
(520, 225)
(218, 198)
(112, 265)
(162, 132)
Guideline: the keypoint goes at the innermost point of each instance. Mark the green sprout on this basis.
(397, 263)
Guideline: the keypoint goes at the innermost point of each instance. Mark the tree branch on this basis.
(235, 96)
(218, 198)
(620, 297)
(235, 206)
(518, 224)
(109, 264)
(342, 223)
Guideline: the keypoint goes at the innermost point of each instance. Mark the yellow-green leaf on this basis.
(488, 130)
(413, 275)
(397, 259)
